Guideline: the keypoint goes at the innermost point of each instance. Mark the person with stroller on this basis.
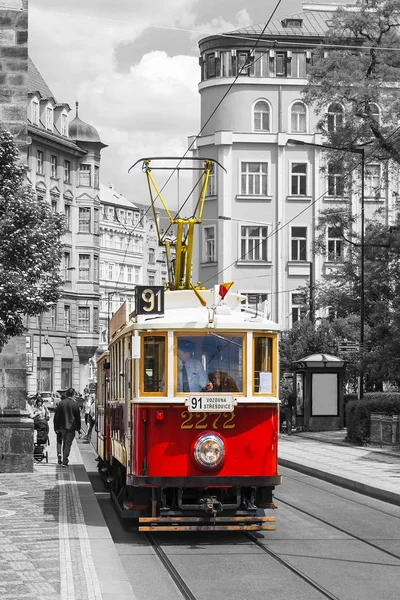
(40, 416)
(67, 420)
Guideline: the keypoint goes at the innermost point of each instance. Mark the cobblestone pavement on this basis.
(45, 551)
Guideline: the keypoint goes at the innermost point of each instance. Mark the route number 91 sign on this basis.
(149, 299)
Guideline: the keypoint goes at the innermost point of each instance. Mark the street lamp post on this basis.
(361, 152)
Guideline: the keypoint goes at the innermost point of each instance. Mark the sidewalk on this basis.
(54, 542)
(55, 545)
(369, 470)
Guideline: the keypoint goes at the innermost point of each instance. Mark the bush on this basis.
(358, 413)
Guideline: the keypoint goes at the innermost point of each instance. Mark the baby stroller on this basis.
(42, 440)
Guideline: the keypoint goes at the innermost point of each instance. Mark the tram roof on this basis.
(183, 311)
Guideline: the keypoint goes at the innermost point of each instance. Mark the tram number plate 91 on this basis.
(210, 404)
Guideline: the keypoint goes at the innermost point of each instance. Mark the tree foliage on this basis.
(305, 339)
(30, 246)
(360, 75)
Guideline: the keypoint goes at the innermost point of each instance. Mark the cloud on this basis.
(149, 107)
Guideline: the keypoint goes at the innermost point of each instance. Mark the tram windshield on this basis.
(212, 362)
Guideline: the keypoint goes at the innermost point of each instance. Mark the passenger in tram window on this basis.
(222, 382)
(191, 374)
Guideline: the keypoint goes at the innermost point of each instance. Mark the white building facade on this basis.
(261, 214)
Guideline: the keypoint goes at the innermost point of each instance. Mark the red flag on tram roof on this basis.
(224, 288)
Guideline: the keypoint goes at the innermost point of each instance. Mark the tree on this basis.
(30, 246)
(305, 339)
(358, 80)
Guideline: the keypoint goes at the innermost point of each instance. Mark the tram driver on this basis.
(191, 374)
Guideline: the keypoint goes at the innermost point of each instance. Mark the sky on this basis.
(133, 66)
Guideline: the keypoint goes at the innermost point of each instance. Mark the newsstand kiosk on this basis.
(318, 381)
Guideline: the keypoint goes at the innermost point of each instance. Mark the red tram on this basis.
(187, 406)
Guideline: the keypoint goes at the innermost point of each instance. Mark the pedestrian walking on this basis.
(90, 423)
(67, 420)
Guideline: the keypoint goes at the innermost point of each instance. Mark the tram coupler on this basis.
(211, 506)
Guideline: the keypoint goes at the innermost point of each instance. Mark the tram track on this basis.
(337, 528)
(180, 583)
(306, 578)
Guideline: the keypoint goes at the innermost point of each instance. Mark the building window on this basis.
(84, 219)
(299, 179)
(53, 166)
(64, 125)
(152, 280)
(67, 171)
(96, 224)
(280, 64)
(210, 65)
(130, 272)
(53, 317)
(96, 176)
(84, 267)
(35, 112)
(67, 317)
(95, 269)
(299, 118)
(225, 63)
(299, 64)
(121, 274)
(299, 308)
(211, 185)
(84, 318)
(254, 179)
(53, 205)
(152, 259)
(335, 179)
(261, 116)
(253, 299)
(373, 181)
(67, 266)
(66, 373)
(334, 117)
(335, 244)
(260, 65)
(299, 243)
(96, 327)
(49, 118)
(137, 274)
(209, 244)
(45, 374)
(67, 216)
(39, 162)
(85, 172)
(110, 271)
(253, 243)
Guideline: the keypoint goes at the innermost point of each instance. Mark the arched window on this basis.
(261, 116)
(299, 117)
(335, 117)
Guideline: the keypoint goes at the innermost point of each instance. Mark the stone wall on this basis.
(16, 429)
(14, 69)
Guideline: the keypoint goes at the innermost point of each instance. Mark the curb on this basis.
(349, 484)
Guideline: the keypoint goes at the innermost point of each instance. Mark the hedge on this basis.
(358, 413)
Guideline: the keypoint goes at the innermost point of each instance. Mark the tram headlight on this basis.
(209, 451)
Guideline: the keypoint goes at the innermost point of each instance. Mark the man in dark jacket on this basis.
(67, 420)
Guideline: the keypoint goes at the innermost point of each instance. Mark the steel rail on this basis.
(352, 535)
(326, 593)
(177, 579)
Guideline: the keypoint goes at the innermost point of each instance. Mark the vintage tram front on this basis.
(188, 412)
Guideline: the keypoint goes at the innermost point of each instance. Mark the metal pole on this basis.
(312, 302)
(362, 278)
(39, 382)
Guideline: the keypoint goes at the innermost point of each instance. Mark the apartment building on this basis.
(64, 168)
(261, 215)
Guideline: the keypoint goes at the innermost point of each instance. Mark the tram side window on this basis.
(154, 364)
(210, 363)
(263, 362)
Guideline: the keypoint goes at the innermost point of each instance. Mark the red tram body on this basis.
(173, 465)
